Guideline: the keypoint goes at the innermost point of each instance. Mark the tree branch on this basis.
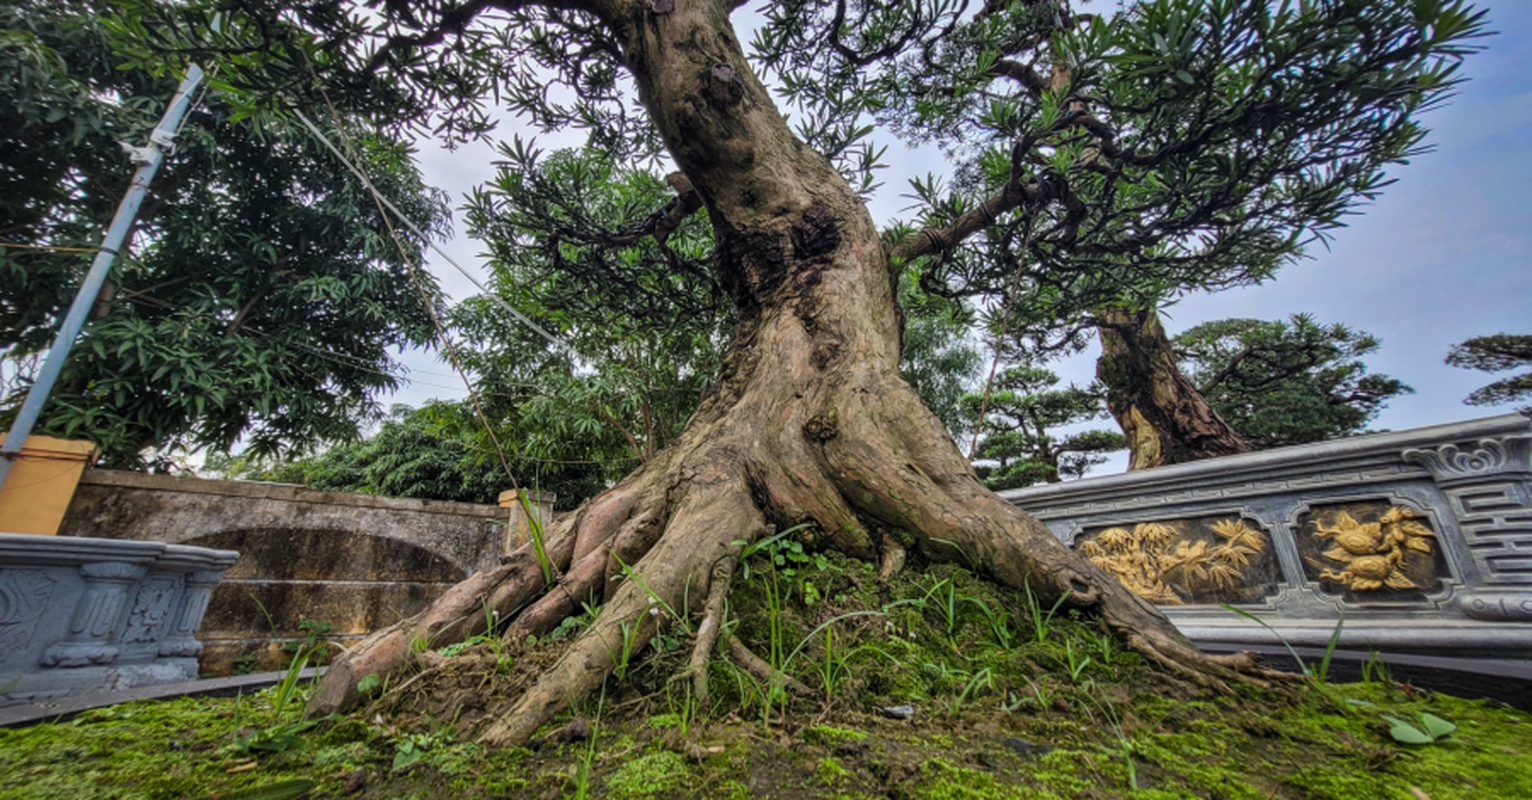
(661, 224)
(1023, 74)
(1223, 374)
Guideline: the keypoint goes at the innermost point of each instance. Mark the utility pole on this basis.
(148, 158)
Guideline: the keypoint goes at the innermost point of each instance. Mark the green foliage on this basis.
(643, 319)
(1172, 146)
(1281, 383)
(260, 297)
(436, 452)
(941, 358)
(313, 642)
(1019, 413)
(1496, 353)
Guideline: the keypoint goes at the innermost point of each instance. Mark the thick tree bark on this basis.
(809, 420)
(1166, 420)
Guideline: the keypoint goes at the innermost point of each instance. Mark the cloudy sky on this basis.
(1442, 256)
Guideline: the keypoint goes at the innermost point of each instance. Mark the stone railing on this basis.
(81, 615)
(1421, 539)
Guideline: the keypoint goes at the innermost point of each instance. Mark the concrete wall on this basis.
(357, 562)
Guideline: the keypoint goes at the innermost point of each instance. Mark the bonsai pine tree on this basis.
(1496, 353)
(1103, 159)
(1281, 383)
(1020, 412)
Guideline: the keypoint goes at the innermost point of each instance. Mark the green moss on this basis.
(943, 781)
(1250, 746)
(343, 755)
(831, 772)
(829, 735)
(648, 776)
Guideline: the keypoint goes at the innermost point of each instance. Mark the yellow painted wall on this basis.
(41, 483)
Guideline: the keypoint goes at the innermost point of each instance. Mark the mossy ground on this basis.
(999, 713)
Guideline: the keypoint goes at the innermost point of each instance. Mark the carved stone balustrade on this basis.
(1421, 538)
(83, 615)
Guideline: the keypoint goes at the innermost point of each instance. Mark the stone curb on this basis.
(63, 708)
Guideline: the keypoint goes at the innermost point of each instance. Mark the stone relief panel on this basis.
(150, 609)
(1193, 561)
(1496, 521)
(1370, 551)
(24, 595)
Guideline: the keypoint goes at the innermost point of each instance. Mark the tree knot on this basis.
(722, 86)
(816, 234)
(822, 428)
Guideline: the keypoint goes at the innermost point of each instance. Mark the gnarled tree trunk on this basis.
(808, 422)
(1166, 420)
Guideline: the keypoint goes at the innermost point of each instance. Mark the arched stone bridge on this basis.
(357, 562)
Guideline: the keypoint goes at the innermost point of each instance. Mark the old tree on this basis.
(1107, 159)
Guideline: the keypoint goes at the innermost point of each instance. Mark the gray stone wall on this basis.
(355, 562)
(88, 615)
(1421, 539)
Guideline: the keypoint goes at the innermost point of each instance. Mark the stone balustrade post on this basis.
(90, 627)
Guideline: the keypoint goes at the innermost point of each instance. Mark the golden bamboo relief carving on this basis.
(1377, 554)
(1155, 558)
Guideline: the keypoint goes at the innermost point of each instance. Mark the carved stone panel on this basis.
(1496, 521)
(1194, 561)
(24, 595)
(1370, 551)
(150, 609)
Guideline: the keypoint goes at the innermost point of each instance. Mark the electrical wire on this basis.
(409, 263)
(523, 318)
(51, 248)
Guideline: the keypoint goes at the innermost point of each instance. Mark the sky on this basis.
(1443, 255)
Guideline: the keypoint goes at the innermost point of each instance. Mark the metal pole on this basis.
(148, 158)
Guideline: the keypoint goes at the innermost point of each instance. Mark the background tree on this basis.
(1020, 411)
(1174, 144)
(641, 321)
(1281, 383)
(261, 294)
(429, 453)
(940, 356)
(1181, 173)
(1496, 353)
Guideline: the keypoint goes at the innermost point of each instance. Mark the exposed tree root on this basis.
(668, 538)
(712, 511)
(467, 609)
(712, 620)
(893, 559)
(763, 672)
